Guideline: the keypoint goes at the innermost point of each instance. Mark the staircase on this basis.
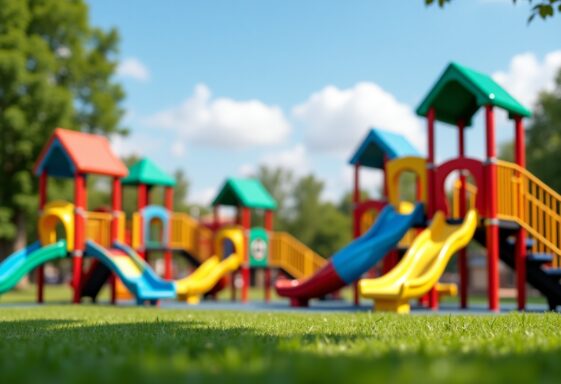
(539, 272)
(292, 256)
(526, 202)
(190, 237)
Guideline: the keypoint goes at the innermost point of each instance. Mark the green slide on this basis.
(20, 263)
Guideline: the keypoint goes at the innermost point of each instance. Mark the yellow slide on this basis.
(422, 265)
(205, 277)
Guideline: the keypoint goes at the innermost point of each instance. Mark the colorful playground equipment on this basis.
(97, 239)
(499, 204)
(526, 206)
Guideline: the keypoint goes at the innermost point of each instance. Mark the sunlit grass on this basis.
(93, 344)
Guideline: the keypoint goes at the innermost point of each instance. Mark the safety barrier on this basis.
(98, 227)
(525, 199)
(187, 234)
(287, 253)
(471, 194)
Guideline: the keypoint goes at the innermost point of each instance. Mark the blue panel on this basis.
(363, 253)
(56, 162)
(379, 143)
(150, 213)
(147, 286)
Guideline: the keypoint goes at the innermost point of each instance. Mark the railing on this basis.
(187, 234)
(471, 194)
(525, 199)
(294, 257)
(98, 227)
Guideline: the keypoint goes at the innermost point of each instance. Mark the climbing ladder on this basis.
(292, 256)
(527, 202)
(190, 236)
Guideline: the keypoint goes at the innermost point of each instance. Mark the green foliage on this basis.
(94, 344)
(323, 226)
(55, 71)
(543, 147)
(544, 9)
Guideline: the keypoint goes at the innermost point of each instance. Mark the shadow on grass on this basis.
(53, 350)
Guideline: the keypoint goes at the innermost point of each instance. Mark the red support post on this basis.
(168, 259)
(269, 228)
(386, 181)
(462, 259)
(430, 161)
(356, 226)
(43, 182)
(117, 201)
(492, 221)
(246, 224)
(80, 206)
(520, 261)
(431, 118)
(141, 199)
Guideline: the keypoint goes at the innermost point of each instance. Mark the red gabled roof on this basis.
(89, 154)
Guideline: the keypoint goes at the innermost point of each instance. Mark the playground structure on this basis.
(98, 239)
(522, 228)
(526, 207)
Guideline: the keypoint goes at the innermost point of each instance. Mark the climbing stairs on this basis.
(293, 257)
(540, 274)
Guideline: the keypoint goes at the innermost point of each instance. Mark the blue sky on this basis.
(218, 87)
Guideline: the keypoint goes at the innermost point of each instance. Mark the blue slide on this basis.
(134, 272)
(348, 264)
(26, 260)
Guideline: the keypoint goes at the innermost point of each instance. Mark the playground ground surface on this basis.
(68, 343)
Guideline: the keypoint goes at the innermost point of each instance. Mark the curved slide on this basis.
(192, 287)
(134, 272)
(26, 260)
(423, 264)
(358, 257)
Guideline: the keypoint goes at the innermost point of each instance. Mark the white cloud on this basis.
(136, 145)
(223, 122)
(133, 68)
(203, 196)
(294, 158)
(178, 149)
(335, 120)
(527, 76)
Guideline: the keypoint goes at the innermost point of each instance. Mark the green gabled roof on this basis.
(461, 91)
(248, 193)
(146, 172)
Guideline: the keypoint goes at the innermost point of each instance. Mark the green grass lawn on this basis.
(99, 344)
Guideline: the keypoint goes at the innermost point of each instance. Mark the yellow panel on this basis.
(127, 266)
(423, 264)
(394, 169)
(53, 213)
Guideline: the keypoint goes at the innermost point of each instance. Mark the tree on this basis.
(181, 191)
(307, 207)
(333, 230)
(280, 184)
(345, 206)
(55, 71)
(543, 147)
(544, 9)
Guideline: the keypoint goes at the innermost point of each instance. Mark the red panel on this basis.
(475, 167)
(89, 153)
(326, 280)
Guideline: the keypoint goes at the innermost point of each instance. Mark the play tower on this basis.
(374, 152)
(454, 99)
(246, 195)
(151, 223)
(75, 155)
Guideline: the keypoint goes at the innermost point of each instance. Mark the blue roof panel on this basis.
(378, 143)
